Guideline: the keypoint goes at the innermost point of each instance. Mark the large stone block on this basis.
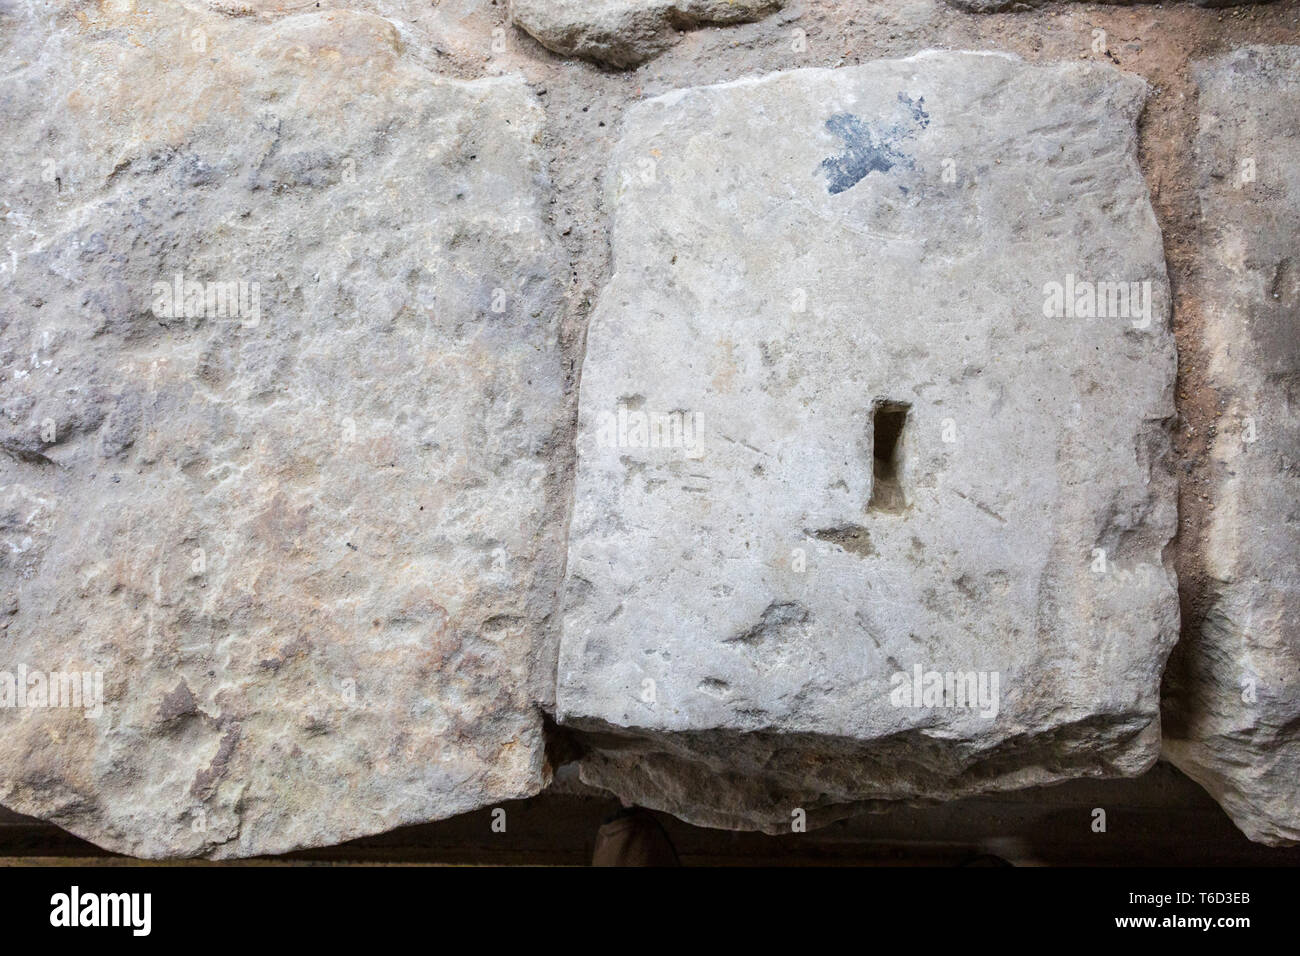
(1233, 694)
(875, 408)
(302, 518)
(1001, 6)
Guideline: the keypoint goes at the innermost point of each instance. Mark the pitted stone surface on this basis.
(1233, 694)
(310, 545)
(816, 268)
(625, 33)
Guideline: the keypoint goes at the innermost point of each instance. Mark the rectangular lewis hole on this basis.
(887, 421)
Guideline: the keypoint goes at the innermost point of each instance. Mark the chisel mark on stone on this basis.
(777, 618)
(850, 537)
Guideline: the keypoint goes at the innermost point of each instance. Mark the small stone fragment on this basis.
(626, 33)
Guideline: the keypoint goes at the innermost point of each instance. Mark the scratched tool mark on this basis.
(871, 147)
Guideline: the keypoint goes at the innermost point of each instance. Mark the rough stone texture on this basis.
(313, 550)
(625, 33)
(470, 39)
(1233, 694)
(1001, 6)
(788, 253)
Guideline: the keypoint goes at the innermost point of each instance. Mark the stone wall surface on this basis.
(398, 398)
